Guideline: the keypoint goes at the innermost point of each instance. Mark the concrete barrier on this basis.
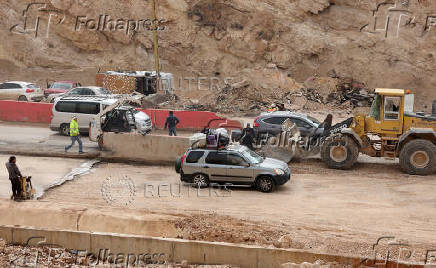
(35, 112)
(174, 250)
(150, 149)
(32, 112)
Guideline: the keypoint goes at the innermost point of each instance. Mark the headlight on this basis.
(279, 172)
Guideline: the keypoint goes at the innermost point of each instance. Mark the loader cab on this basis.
(387, 112)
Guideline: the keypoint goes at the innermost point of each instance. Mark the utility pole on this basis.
(156, 47)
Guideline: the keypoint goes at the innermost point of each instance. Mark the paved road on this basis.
(37, 138)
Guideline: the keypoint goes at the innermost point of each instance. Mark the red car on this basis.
(60, 87)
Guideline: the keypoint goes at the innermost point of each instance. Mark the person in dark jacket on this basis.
(14, 174)
(171, 123)
(247, 137)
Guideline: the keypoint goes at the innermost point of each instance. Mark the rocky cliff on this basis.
(270, 43)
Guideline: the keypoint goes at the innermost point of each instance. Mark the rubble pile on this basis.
(337, 91)
(316, 93)
(244, 98)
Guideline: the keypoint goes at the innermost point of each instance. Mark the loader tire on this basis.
(418, 157)
(340, 152)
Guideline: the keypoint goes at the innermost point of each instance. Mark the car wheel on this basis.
(22, 98)
(65, 129)
(178, 164)
(265, 184)
(200, 180)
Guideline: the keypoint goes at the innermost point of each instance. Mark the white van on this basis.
(86, 108)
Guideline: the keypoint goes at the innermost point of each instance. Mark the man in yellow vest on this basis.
(75, 135)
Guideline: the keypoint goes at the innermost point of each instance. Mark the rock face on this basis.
(295, 38)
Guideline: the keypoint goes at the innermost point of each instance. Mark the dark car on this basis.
(271, 123)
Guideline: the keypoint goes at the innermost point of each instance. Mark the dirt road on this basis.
(325, 210)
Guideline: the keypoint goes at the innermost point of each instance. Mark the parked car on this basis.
(80, 91)
(20, 91)
(236, 164)
(271, 123)
(60, 87)
(86, 108)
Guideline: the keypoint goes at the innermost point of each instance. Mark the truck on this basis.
(127, 82)
(392, 129)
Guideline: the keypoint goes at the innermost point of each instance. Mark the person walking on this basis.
(247, 137)
(14, 175)
(171, 123)
(75, 135)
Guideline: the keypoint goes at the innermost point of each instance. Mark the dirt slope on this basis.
(295, 39)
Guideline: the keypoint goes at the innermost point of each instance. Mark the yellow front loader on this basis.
(392, 129)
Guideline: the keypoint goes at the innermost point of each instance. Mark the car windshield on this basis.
(104, 91)
(61, 85)
(252, 156)
(314, 120)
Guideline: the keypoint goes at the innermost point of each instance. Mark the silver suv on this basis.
(236, 165)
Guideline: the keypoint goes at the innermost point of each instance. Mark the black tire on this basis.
(65, 130)
(265, 184)
(200, 180)
(22, 98)
(418, 157)
(178, 164)
(340, 152)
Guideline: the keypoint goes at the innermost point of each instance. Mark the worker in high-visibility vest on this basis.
(74, 134)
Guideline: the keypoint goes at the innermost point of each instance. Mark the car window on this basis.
(76, 91)
(300, 123)
(275, 120)
(235, 160)
(194, 156)
(216, 158)
(87, 91)
(10, 85)
(392, 108)
(66, 86)
(66, 107)
(31, 86)
(88, 108)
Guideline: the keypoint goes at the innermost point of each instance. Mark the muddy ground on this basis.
(340, 212)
